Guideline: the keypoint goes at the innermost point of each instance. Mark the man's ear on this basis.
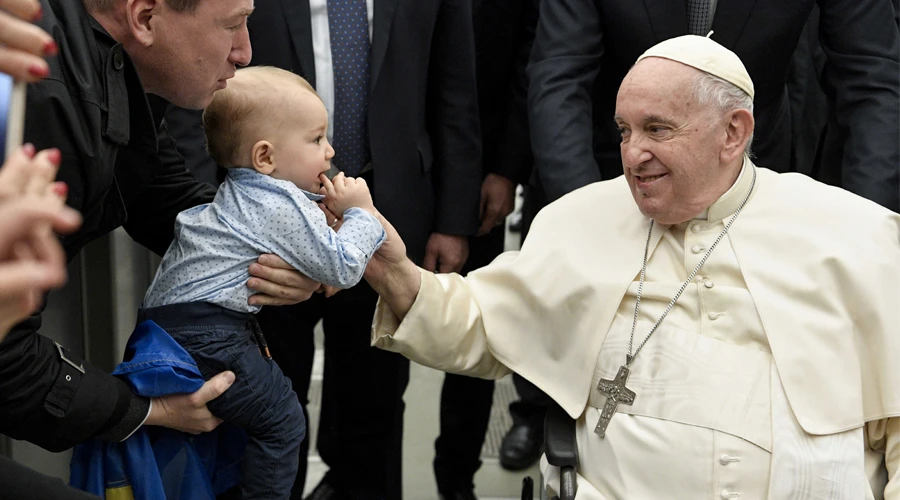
(738, 132)
(263, 157)
(139, 16)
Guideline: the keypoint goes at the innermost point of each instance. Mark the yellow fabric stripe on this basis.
(120, 493)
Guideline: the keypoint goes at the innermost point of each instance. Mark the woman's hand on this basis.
(33, 210)
(22, 44)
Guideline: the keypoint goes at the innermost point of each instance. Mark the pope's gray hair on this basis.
(722, 96)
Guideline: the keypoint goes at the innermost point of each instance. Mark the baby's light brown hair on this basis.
(251, 106)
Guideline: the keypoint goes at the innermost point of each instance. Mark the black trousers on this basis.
(465, 401)
(360, 433)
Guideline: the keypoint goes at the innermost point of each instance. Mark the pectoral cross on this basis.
(616, 393)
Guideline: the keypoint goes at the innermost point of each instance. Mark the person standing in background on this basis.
(504, 33)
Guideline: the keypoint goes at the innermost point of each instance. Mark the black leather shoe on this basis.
(458, 495)
(325, 491)
(521, 447)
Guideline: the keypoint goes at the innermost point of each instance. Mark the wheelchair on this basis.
(561, 449)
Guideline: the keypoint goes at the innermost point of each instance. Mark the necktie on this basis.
(349, 31)
(698, 17)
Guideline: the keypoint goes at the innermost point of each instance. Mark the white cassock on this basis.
(774, 376)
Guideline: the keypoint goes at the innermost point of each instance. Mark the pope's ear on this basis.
(738, 134)
(263, 157)
(139, 16)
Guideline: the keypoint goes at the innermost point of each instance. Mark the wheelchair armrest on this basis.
(559, 438)
(527, 488)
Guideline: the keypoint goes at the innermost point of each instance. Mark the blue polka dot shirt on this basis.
(253, 214)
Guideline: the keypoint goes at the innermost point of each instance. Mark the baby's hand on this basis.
(344, 192)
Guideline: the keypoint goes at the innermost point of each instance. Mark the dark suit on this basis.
(584, 48)
(830, 165)
(504, 33)
(426, 154)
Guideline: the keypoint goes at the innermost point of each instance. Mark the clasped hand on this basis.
(32, 209)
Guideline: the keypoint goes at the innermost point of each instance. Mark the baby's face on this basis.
(302, 151)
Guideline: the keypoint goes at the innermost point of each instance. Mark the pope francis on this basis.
(718, 330)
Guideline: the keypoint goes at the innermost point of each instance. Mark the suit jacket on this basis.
(504, 35)
(424, 130)
(830, 166)
(584, 48)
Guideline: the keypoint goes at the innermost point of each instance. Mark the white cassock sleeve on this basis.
(442, 330)
(884, 436)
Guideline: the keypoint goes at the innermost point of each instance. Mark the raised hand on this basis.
(342, 193)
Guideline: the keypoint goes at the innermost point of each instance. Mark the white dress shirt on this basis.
(321, 40)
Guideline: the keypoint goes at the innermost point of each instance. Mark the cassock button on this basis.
(697, 248)
(713, 317)
(728, 495)
(696, 228)
(708, 284)
(724, 459)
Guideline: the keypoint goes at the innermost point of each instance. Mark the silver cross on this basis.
(616, 393)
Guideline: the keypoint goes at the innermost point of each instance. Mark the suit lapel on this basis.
(729, 21)
(383, 18)
(296, 15)
(668, 18)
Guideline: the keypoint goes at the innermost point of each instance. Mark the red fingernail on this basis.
(50, 48)
(38, 70)
(60, 189)
(39, 14)
(54, 156)
(29, 150)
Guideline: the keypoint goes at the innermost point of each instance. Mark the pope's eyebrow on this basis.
(658, 119)
(648, 119)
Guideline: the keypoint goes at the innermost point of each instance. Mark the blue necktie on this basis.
(348, 25)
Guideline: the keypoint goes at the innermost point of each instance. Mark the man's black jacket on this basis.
(94, 109)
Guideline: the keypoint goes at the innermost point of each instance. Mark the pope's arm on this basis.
(884, 436)
(431, 319)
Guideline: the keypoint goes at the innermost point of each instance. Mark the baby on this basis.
(268, 128)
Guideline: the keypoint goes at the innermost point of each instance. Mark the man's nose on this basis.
(241, 51)
(634, 152)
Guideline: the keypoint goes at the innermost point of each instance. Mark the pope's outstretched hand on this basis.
(391, 274)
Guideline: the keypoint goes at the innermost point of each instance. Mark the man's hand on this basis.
(498, 199)
(23, 45)
(278, 283)
(446, 253)
(331, 218)
(342, 193)
(188, 412)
